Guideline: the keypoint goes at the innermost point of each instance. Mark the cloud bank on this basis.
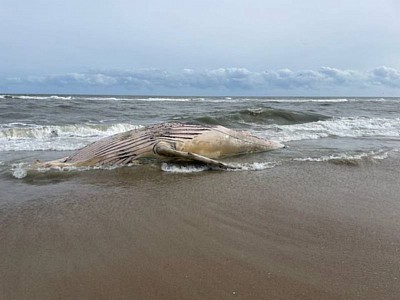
(223, 80)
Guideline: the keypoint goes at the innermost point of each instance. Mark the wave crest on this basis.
(20, 136)
(260, 116)
(336, 127)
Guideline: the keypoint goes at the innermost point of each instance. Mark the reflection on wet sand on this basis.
(308, 231)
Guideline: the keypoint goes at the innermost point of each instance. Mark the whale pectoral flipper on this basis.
(166, 150)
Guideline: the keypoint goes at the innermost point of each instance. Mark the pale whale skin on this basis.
(166, 142)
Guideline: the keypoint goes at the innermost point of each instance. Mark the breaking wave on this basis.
(195, 168)
(336, 127)
(32, 137)
(305, 100)
(37, 97)
(21, 170)
(113, 98)
(21, 136)
(196, 99)
(259, 116)
(348, 158)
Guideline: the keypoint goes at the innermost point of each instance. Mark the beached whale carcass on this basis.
(167, 142)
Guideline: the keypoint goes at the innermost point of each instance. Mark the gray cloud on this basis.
(219, 80)
(385, 76)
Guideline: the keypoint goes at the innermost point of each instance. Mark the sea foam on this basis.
(22, 137)
(187, 168)
(338, 127)
(372, 155)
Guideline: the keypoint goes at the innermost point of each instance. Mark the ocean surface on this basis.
(347, 130)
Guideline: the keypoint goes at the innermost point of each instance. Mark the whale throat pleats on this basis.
(123, 148)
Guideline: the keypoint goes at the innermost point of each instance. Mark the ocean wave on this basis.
(38, 97)
(258, 116)
(195, 99)
(166, 99)
(32, 137)
(389, 99)
(261, 122)
(348, 158)
(177, 168)
(336, 127)
(102, 98)
(158, 99)
(21, 170)
(306, 100)
(195, 168)
(145, 99)
(5, 96)
(21, 130)
(255, 166)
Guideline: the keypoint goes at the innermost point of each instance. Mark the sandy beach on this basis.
(298, 231)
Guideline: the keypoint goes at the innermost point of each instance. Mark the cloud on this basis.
(234, 80)
(386, 76)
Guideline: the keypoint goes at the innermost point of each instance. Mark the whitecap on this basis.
(158, 99)
(339, 127)
(34, 97)
(372, 155)
(33, 137)
(19, 170)
(306, 100)
(177, 168)
(254, 166)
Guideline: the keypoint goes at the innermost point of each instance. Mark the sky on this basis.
(204, 47)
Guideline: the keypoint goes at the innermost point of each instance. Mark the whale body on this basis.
(167, 142)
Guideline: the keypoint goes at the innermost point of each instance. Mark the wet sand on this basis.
(298, 231)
